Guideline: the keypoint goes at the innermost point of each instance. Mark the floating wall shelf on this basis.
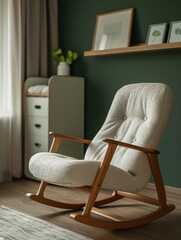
(134, 49)
(36, 95)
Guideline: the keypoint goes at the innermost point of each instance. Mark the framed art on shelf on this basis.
(113, 30)
(174, 32)
(156, 34)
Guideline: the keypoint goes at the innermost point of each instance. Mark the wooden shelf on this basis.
(36, 95)
(134, 49)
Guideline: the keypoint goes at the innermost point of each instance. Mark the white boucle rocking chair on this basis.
(120, 158)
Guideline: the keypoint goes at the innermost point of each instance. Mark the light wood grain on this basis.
(59, 135)
(128, 145)
(36, 95)
(134, 49)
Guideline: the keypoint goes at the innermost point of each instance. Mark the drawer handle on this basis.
(38, 125)
(38, 145)
(37, 106)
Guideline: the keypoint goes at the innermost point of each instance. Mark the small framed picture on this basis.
(113, 30)
(156, 34)
(174, 32)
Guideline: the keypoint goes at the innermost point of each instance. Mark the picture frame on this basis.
(113, 30)
(156, 34)
(174, 34)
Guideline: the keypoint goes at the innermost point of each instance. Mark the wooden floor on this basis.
(12, 195)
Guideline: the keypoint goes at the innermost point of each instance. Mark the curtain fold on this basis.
(41, 36)
(5, 93)
(16, 78)
(26, 42)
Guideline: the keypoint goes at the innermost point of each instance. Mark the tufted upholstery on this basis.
(138, 115)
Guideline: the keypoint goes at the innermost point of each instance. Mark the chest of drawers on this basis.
(61, 110)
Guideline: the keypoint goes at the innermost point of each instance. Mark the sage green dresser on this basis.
(61, 110)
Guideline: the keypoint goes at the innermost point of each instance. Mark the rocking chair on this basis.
(120, 158)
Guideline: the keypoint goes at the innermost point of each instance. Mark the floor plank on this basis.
(12, 195)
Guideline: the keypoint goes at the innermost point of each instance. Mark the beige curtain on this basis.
(40, 19)
(32, 33)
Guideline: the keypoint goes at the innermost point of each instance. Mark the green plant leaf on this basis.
(58, 51)
(61, 58)
(69, 53)
(54, 62)
(57, 56)
(74, 55)
(69, 60)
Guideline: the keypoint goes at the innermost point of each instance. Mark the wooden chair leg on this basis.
(99, 179)
(39, 197)
(42, 188)
(155, 169)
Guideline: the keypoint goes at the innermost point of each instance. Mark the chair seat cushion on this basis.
(70, 172)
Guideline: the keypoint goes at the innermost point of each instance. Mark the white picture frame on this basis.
(156, 34)
(174, 34)
(113, 30)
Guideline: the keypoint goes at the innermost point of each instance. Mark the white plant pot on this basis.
(63, 69)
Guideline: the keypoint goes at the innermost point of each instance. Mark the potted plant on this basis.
(63, 62)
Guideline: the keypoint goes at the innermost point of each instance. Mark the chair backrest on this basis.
(138, 115)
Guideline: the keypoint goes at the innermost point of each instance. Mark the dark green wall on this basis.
(104, 75)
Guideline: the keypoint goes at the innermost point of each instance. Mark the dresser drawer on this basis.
(37, 106)
(36, 143)
(37, 125)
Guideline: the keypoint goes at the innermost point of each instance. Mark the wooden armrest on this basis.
(146, 150)
(81, 140)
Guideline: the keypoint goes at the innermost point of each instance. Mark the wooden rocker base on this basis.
(41, 199)
(117, 222)
(125, 223)
(53, 203)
